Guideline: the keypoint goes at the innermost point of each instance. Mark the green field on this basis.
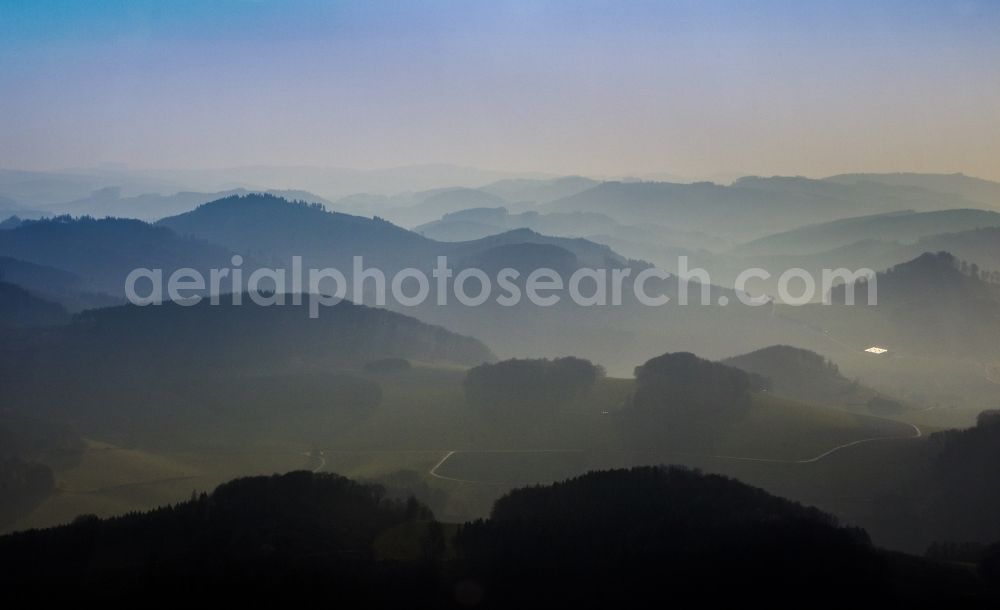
(423, 418)
(110, 480)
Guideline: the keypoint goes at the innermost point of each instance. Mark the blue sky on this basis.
(686, 88)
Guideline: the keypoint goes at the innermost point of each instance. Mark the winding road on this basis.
(916, 433)
(316, 456)
(433, 471)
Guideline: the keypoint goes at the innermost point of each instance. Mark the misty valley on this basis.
(139, 416)
(500, 305)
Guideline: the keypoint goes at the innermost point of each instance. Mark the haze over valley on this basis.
(501, 305)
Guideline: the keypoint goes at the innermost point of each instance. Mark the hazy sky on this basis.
(603, 88)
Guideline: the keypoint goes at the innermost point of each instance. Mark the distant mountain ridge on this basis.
(904, 227)
(751, 207)
(443, 201)
(273, 229)
(153, 206)
(982, 191)
(537, 190)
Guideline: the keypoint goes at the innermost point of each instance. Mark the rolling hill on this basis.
(269, 231)
(980, 246)
(656, 243)
(805, 376)
(933, 306)
(274, 230)
(898, 227)
(229, 337)
(283, 526)
(215, 374)
(103, 252)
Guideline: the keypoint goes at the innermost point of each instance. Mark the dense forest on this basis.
(522, 387)
(614, 537)
(683, 385)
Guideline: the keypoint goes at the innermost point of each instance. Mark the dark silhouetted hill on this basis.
(621, 538)
(963, 474)
(287, 535)
(625, 538)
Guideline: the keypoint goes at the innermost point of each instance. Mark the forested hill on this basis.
(800, 374)
(171, 339)
(605, 539)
